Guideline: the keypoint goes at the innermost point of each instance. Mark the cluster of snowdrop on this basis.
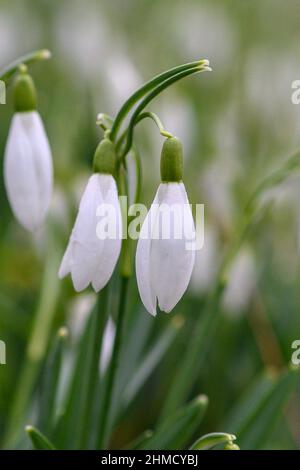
(163, 265)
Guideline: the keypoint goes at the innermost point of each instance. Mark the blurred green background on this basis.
(236, 123)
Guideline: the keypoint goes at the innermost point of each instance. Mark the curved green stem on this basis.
(113, 368)
(150, 97)
(156, 120)
(128, 105)
(138, 168)
(7, 72)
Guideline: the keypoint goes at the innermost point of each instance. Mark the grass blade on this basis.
(50, 382)
(254, 424)
(39, 441)
(213, 439)
(152, 359)
(194, 355)
(176, 431)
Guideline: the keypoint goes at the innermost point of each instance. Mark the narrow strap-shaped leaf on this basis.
(37, 343)
(141, 92)
(243, 408)
(39, 440)
(177, 430)
(72, 429)
(208, 441)
(35, 56)
(148, 98)
(50, 382)
(194, 355)
(140, 441)
(264, 409)
(152, 359)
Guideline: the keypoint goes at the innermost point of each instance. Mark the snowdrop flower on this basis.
(88, 257)
(164, 263)
(27, 160)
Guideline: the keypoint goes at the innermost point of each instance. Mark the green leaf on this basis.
(38, 342)
(141, 92)
(74, 421)
(152, 359)
(151, 95)
(39, 441)
(194, 355)
(140, 441)
(28, 59)
(208, 441)
(253, 419)
(50, 382)
(177, 430)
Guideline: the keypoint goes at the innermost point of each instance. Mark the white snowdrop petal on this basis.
(112, 244)
(66, 263)
(86, 247)
(142, 263)
(171, 269)
(171, 262)
(28, 169)
(90, 258)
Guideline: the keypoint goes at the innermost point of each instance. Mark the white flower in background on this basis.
(28, 173)
(206, 263)
(164, 264)
(241, 282)
(107, 345)
(88, 257)
(78, 312)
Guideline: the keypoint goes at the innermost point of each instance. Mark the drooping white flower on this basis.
(165, 259)
(28, 170)
(28, 173)
(88, 257)
(165, 253)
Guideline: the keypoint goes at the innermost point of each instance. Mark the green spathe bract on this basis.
(105, 157)
(171, 162)
(25, 98)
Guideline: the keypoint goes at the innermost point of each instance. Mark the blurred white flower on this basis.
(268, 90)
(88, 258)
(164, 265)
(107, 345)
(78, 313)
(82, 34)
(241, 282)
(178, 118)
(216, 182)
(205, 31)
(206, 263)
(120, 85)
(7, 37)
(28, 172)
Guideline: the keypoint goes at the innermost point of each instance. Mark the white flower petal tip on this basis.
(164, 264)
(28, 173)
(93, 250)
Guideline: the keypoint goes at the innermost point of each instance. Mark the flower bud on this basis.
(105, 157)
(24, 92)
(171, 162)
